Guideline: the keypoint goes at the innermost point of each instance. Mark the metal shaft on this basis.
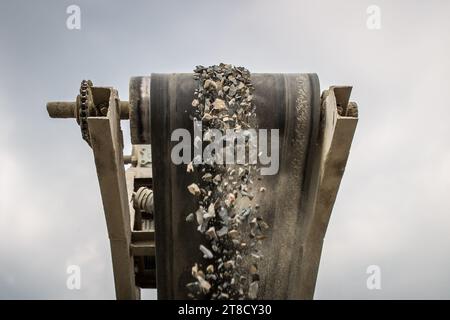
(65, 109)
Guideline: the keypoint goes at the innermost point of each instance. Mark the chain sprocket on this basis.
(85, 104)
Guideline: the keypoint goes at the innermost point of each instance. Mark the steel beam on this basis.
(107, 145)
(337, 130)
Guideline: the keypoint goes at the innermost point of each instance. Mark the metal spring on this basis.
(143, 200)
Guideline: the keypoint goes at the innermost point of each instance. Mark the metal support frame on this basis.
(335, 140)
(107, 145)
(131, 242)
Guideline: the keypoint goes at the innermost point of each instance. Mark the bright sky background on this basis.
(393, 205)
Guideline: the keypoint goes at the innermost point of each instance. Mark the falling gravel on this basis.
(226, 215)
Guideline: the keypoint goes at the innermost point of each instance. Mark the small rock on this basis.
(194, 270)
(229, 264)
(256, 256)
(194, 189)
(199, 216)
(219, 105)
(204, 285)
(211, 212)
(224, 296)
(211, 209)
(207, 117)
(207, 177)
(222, 231)
(230, 199)
(209, 84)
(232, 91)
(234, 234)
(207, 254)
(211, 232)
(190, 217)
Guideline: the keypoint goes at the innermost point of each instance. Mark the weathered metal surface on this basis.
(62, 109)
(140, 110)
(107, 145)
(288, 102)
(142, 247)
(143, 199)
(66, 109)
(335, 141)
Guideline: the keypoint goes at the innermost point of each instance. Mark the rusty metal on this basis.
(69, 109)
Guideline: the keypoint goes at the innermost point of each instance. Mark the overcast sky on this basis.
(393, 208)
